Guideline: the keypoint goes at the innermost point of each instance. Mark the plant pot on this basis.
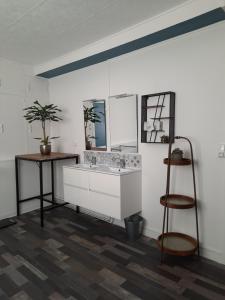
(45, 149)
(177, 154)
(165, 139)
(88, 145)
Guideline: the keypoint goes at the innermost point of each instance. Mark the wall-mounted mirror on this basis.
(123, 123)
(95, 124)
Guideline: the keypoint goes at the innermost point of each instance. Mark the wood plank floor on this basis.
(79, 257)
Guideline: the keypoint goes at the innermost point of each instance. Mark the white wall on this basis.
(193, 67)
(18, 89)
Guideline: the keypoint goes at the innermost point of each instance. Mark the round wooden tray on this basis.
(177, 162)
(176, 243)
(177, 201)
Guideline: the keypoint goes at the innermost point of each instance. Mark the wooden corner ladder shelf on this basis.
(176, 243)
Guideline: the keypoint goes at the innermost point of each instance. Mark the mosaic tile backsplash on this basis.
(112, 159)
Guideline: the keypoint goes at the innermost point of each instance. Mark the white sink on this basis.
(103, 169)
(119, 170)
(85, 166)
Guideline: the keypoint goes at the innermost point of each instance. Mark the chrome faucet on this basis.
(93, 160)
(122, 163)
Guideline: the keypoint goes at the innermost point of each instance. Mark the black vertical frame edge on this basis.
(144, 99)
(172, 115)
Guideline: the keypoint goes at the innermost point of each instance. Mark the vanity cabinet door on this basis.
(74, 195)
(104, 183)
(76, 186)
(74, 177)
(104, 194)
(104, 204)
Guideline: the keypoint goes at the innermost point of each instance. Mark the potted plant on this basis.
(45, 113)
(89, 116)
(165, 139)
(177, 154)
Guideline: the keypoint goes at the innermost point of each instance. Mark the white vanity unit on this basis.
(110, 191)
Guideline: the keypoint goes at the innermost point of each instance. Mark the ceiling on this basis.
(35, 31)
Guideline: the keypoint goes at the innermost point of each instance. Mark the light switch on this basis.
(1, 128)
(222, 150)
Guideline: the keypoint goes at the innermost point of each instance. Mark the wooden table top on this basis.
(52, 156)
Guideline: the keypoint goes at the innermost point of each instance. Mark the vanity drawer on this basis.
(104, 204)
(105, 183)
(74, 195)
(74, 177)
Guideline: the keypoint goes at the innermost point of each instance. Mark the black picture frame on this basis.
(164, 101)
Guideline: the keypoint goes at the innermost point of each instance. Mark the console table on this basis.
(40, 159)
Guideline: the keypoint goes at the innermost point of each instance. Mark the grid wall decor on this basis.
(158, 117)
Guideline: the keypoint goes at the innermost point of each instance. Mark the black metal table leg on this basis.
(77, 207)
(17, 186)
(53, 183)
(41, 194)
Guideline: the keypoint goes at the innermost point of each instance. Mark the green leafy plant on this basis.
(45, 113)
(90, 116)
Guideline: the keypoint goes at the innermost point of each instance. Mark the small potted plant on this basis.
(45, 113)
(165, 139)
(177, 154)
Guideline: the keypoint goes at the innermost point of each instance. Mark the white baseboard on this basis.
(213, 254)
(7, 215)
(25, 209)
(151, 232)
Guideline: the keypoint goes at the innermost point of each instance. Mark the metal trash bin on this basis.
(134, 227)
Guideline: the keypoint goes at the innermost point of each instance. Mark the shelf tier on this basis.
(155, 142)
(177, 201)
(154, 106)
(157, 130)
(161, 118)
(177, 162)
(178, 244)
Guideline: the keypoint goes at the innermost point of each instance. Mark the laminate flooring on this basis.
(77, 256)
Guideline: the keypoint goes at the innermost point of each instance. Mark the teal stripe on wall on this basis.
(198, 22)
